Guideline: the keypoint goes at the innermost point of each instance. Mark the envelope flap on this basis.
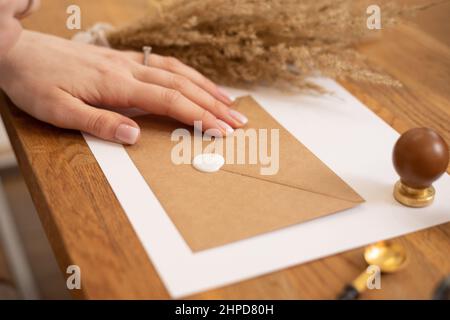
(298, 166)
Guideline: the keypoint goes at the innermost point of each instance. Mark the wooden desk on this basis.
(86, 225)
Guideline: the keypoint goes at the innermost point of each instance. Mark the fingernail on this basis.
(225, 95)
(127, 134)
(239, 117)
(225, 127)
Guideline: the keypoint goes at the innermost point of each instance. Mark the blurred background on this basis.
(28, 268)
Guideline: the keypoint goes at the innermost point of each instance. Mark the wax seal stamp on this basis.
(420, 157)
(208, 162)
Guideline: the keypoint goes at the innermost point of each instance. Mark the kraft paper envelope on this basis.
(237, 202)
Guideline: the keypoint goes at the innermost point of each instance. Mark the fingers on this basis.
(25, 7)
(175, 66)
(169, 102)
(107, 125)
(192, 92)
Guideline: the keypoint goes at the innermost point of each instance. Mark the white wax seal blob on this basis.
(208, 162)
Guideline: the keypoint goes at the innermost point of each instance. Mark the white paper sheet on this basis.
(345, 135)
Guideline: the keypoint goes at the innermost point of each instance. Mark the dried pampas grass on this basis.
(273, 42)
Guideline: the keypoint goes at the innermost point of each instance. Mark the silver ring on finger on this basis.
(147, 51)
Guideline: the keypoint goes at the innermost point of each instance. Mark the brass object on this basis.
(412, 197)
(360, 283)
(388, 256)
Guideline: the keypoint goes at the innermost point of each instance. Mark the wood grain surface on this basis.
(86, 225)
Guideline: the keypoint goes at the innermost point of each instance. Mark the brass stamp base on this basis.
(411, 197)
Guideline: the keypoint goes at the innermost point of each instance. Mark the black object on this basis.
(442, 292)
(349, 293)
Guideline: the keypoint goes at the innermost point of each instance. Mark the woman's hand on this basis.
(10, 13)
(67, 83)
